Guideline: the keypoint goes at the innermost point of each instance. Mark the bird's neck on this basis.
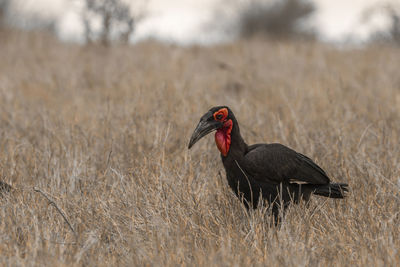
(229, 141)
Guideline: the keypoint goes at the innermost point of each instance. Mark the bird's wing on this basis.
(277, 163)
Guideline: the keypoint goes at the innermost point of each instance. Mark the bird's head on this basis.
(219, 119)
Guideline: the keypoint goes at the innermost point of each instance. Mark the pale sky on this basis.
(185, 20)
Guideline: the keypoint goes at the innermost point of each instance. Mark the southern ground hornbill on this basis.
(277, 173)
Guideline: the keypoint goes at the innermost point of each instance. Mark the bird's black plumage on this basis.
(277, 173)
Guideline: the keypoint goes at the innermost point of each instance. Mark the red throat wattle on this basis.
(223, 137)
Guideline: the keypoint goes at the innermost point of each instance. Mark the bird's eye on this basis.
(219, 116)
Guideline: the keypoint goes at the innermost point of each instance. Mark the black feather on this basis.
(333, 190)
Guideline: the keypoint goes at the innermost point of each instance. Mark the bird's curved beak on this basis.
(204, 127)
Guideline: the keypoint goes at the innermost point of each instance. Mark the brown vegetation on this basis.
(103, 134)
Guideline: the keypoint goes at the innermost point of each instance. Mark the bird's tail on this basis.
(334, 190)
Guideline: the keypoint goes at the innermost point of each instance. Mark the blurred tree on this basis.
(391, 34)
(116, 17)
(273, 18)
(4, 5)
(14, 15)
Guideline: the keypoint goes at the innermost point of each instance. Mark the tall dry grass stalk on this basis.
(104, 132)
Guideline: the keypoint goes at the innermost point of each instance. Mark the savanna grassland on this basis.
(103, 133)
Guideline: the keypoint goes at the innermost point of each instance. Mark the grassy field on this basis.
(103, 133)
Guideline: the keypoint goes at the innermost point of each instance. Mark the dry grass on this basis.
(104, 133)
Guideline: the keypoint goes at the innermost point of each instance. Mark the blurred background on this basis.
(206, 22)
(98, 100)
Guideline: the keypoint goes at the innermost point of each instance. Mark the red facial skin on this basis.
(223, 135)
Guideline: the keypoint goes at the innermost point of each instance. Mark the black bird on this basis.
(277, 173)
